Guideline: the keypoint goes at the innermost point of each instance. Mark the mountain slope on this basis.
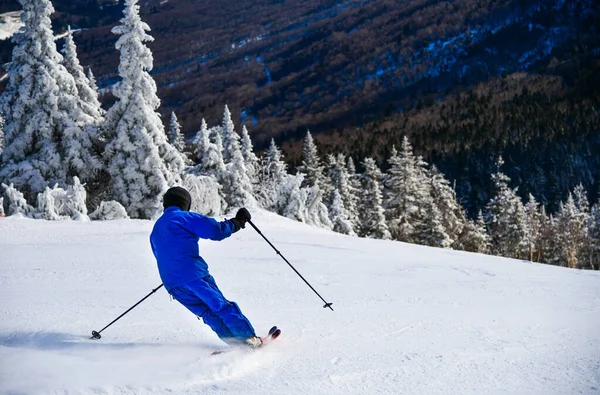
(407, 319)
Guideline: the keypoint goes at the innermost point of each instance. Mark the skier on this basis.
(184, 273)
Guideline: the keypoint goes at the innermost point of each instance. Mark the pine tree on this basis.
(250, 159)
(93, 85)
(429, 230)
(406, 188)
(316, 211)
(45, 141)
(175, 136)
(452, 215)
(311, 165)
(87, 92)
(209, 157)
(370, 211)
(141, 162)
(292, 198)
(272, 176)
(506, 219)
(571, 226)
(337, 212)
(340, 180)
(594, 233)
(534, 227)
(474, 237)
(229, 136)
(238, 187)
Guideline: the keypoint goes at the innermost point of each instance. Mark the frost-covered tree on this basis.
(594, 233)
(337, 212)
(534, 215)
(208, 149)
(93, 84)
(175, 136)
(430, 230)
(45, 141)
(370, 211)
(250, 159)
(141, 162)
(316, 211)
(473, 237)
(272, 176)
(340, 180)
(311, 166)
(406, 188)
(292, 199)
(228, 135)
(572, 228)
(86, 89)
(506, 219)
(238, 188)
(452, 215)
(15, 201)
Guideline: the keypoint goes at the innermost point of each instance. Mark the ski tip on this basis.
(273, 329)
(275, 334)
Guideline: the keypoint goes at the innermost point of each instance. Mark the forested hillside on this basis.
(466, 80)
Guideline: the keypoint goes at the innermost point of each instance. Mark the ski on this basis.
(273, 334)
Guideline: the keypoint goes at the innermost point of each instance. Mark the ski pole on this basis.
(96, 335)
(327, 305)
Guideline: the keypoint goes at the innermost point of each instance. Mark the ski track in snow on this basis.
(408, 319)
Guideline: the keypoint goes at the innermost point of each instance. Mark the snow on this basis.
(407, 319)
(10, 23)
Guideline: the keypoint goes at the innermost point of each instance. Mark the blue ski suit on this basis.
(184, 273)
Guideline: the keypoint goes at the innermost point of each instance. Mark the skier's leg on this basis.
(188, 298)
(222, 309)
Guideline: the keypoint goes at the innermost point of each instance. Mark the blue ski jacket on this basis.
(174, 242)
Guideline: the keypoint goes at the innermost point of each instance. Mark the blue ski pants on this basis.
(203, 298)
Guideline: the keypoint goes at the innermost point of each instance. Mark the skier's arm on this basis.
(209, 228)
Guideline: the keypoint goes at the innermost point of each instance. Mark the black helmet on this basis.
(177, 196)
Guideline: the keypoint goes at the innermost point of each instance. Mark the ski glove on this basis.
(242, 217)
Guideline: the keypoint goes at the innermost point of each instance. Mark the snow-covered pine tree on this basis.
(44, 141)
(174, 134)
(583, 207)
(228, 135)
(429, 231)
(312, 167)
(316, 211)
(551, 244)
(370, 211)
(86, 89)
(337, 212)
(209, 158)
(534, 226)
(250, 159)
(238, 188)
(15, 202)
(141, 162)
(292, 199)
(474, 237)
(506, 219)
(444, 197)
(572, 229)
(353, 192)
(594, 233)
(406, 188)
(272, 175)
(340, 180)
(93, 85)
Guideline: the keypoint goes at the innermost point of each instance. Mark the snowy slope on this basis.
(407, 319)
